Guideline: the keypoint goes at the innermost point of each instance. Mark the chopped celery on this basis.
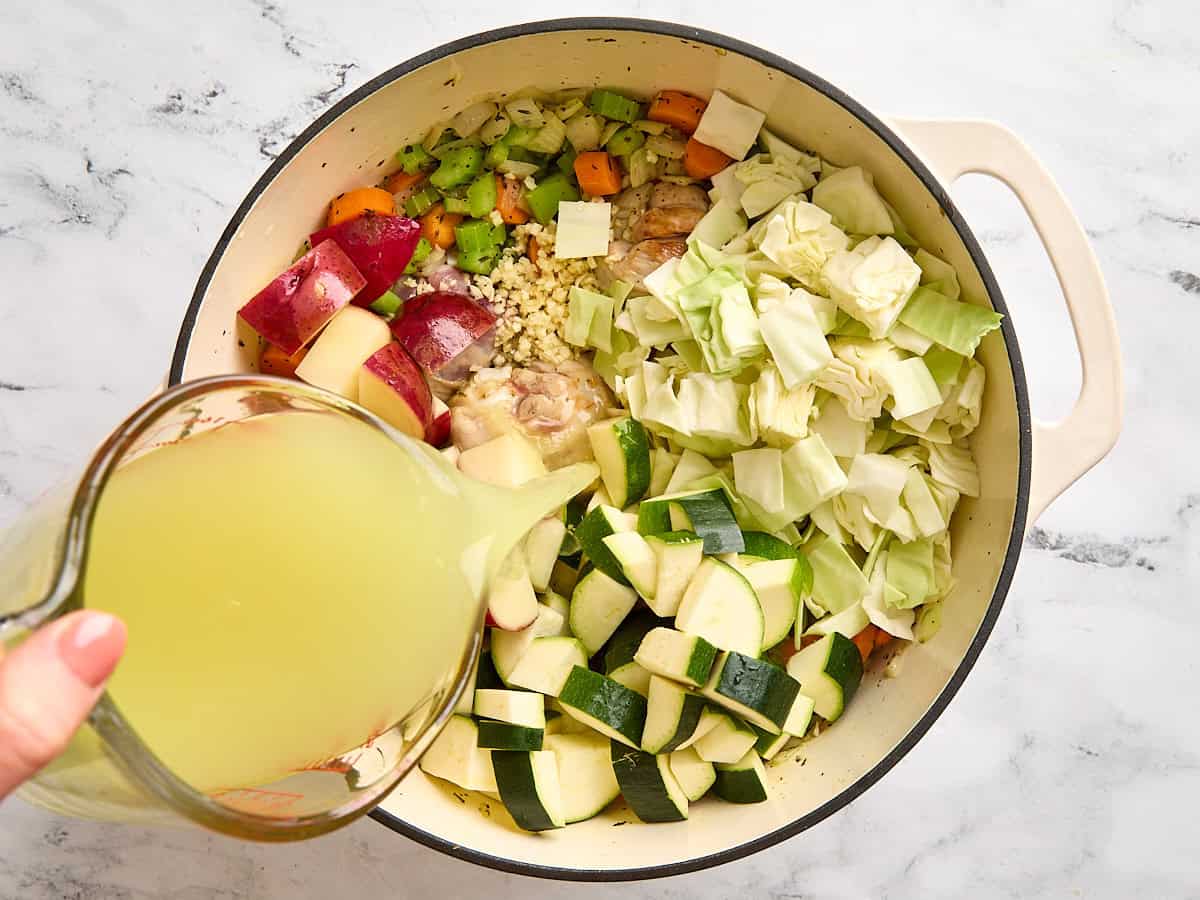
(420, 254)
(474, 236)
(499, 234)
(518, 136)
(386, 305)
(445, 148)
(612, 105)
(497, 154)
(544, 199)
(566, 163)
(414, 158)
(624, 141)
(479, 263)
(458, 167)
(457, 205)
(609, 130)
(481, 195)
(420, 202)
(568, 108)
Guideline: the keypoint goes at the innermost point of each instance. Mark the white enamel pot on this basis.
(1023, 465)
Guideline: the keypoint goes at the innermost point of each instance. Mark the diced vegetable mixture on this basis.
(777, 383)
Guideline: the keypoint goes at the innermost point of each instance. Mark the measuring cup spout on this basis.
(501, 517)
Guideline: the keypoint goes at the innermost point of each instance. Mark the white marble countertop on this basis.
(1069, 764)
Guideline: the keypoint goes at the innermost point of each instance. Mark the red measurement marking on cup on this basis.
(256, 799)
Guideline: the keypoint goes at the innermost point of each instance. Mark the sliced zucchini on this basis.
(585, 773)
(604, 705)
(623, 645)
(541, 550)
(720, 606)
(648, 784)
(662, 466)
(678, 555)
(727, 740)
(547, 663)
(672, 654)
(637, 560)
(622, 451)
(598, 524)
(695, 775)
(560, 605)
(503, 736)
(779, 586)
(507, 647)
(706, 512)
(761, 545)
(529, 786)
(633, 676)
(598, 607)
(799, 717)
(829, 672)
(515, 707)
(758, 691)
(744, 781)
(849, 622)
(768, 744)
(558, 722)
(563, 578)
(672, 714)
(455, 756)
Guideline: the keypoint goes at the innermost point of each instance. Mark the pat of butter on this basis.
(582, 229)
(729, 126)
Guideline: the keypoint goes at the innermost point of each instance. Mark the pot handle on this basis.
(1065, 450)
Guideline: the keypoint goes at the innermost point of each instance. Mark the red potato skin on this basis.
(492, 623)
(393, 366)
(438, 432)
(438, 326)
(380, 246)
(299, 302)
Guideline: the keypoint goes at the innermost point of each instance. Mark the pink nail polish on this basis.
(91, 644)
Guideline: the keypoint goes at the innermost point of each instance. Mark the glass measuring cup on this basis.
(112, 770)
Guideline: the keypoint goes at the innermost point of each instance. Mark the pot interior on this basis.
(356, 147)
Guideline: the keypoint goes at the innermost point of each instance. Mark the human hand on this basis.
(48, 685)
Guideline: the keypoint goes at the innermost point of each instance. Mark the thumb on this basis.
(48, 685)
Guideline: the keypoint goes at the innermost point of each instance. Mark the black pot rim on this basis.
(856, 109)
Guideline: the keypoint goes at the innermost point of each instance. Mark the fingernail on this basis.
(91, 645)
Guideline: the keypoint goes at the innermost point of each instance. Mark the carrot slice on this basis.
(675, 108)
(403, 183)
(437, 226)
(508, 201)
(865, 641)
(703, 161)
(353, 204)
(274, 361)
(598, 173)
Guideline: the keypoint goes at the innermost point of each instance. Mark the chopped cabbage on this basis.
(896, 622)
(769, 179)
(913, 388)
(845, 437)
(801, 238)
(873, 282)
(782, 413)
(797, 343)
(953, 466)
(849, 195)
(837, 582)
(935, 271)
(910, 571)
(955, 325)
